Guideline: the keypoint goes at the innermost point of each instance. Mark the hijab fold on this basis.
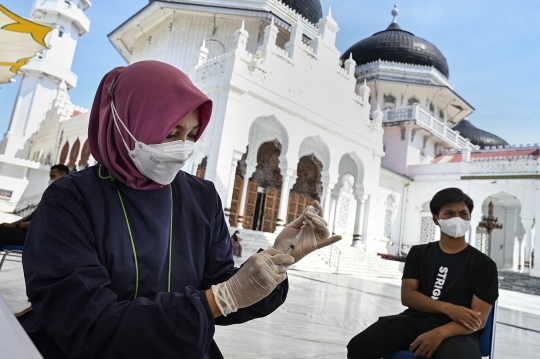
(151, 98)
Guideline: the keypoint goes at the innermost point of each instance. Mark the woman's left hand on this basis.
(316, 234)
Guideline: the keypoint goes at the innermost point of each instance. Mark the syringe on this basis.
(299, 235)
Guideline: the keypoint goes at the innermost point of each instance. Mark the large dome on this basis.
(477, 136)
(397, 45)
(310, 9)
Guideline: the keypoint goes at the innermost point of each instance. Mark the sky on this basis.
(492, 49)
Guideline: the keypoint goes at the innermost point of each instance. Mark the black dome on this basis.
(310, 9)
(477, 136)
(397, 45)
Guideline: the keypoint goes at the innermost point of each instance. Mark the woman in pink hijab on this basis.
(141, 265)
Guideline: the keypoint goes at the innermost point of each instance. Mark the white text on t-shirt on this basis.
(439, 282)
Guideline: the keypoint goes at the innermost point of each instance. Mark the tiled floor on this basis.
(323, 311)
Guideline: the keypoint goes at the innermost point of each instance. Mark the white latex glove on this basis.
(315, 234)
(255, 280)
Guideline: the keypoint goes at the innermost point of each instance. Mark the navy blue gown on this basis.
(80, 271)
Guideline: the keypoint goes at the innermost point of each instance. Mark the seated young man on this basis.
(449, 288)
(15, 233)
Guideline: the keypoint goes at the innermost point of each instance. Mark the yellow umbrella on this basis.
(20, 40)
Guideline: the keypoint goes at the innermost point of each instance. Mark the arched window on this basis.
(389, 102)
(413, 101)
(201, 168)
(64, 153)
(85, 155)
(74, 154)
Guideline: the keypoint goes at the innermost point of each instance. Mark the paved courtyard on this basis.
(323, 311)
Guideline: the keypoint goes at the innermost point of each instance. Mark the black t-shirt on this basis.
(452, 278)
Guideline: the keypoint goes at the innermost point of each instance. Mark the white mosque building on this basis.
(372, 133)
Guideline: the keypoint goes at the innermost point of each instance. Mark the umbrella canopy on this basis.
(20, 40)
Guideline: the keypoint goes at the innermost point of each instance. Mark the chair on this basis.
(487, 340)
(9, 250)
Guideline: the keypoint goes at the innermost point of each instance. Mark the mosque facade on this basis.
(372, 133)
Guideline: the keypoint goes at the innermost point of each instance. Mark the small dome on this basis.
(310, 9)
(477, 136)
(397, 45)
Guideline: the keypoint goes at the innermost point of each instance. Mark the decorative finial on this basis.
(243, 27)
(395, 13)
(350, 55)
(330, 11)
(365, 83)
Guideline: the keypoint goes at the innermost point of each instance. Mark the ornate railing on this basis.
(430, 123)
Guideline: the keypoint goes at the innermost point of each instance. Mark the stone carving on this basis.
(267, 172)
(309, 177)
(344, 207)
(427, 230)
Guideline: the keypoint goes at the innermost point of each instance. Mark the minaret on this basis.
(43, 74)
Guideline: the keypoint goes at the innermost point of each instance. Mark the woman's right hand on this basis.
(254, 281)
(464, 316)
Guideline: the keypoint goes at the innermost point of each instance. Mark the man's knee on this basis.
(463, 347)
(362, 347)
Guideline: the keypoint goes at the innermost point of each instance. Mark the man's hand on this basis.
(426, 344)
(464, 316)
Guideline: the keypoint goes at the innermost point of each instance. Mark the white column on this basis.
(475, 220)
(332, 213)
(535, 271)
(328, 187)
(516, 253)
(367, 210)
(359, 219)
(249, 171)
(230, 189)
(527, 225)
(521, 256)
(286, 184)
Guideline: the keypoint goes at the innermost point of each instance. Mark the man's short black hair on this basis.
(63, 169)
(449, 196)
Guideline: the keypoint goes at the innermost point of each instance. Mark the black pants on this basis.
(397, 332)
(12, 236)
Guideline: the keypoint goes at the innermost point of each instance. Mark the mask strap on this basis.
(115, 114)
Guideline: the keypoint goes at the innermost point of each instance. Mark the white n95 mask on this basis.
(454, 227)
(160, 162)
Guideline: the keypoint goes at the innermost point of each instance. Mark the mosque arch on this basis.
(493, 192)
(74, 154)
(307, 188)
(352, 163)
(316, 146)
(64, 153)
(265, 129)
(413, 101)
(215, 48)
(85, 155)
(502, 244)
(390, 214)
(263, 189)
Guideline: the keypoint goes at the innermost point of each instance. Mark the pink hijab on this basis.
(151, 97)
